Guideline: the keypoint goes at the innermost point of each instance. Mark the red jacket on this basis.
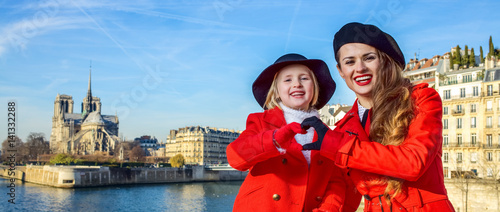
(417, 160)
(283, 182)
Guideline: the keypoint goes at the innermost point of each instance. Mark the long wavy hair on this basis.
(391, 98)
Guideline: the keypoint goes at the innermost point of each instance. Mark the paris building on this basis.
(82, 133)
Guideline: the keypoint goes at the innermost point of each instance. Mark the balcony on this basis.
(457, 112)
(454, 145)
(491, 146)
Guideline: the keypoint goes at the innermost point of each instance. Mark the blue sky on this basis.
(162, 65)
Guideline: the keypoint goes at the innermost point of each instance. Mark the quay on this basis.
(65, 176)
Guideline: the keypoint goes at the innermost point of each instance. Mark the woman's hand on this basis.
(283, 137)
(320, 128)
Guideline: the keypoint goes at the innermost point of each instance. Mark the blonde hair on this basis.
(273, 100)
(391, 98)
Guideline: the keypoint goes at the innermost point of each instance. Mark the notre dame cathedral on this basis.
(82, 133)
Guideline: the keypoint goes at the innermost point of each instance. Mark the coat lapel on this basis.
(352, 124)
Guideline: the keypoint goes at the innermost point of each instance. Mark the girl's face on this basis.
(358, 65)
(295, 86)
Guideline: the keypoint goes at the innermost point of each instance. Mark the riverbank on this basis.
(63, 176)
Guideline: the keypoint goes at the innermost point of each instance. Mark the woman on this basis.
(390, 141)
(282, 177)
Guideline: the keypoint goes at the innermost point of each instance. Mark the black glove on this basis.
(320, 128)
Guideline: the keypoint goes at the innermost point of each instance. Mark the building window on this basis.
(459, 123)
(462, 92)
(472, 108)
(472, 122)
(489, 121)
(473, 157)
(445, 157)
(445, 140)
(447, 94)
(489, 172)
(489, 90)
(445, 110)
(459, 157)
(459, 108)
(445, 170)
(473, 139)
(445, 124)
(489, 106)
(475, 91)
(489, 140)
(489, 156)
(459, 139)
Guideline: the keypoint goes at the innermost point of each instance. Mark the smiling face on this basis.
(295, 86)
(358, 66)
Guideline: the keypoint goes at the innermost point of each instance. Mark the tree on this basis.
(472, 58)
(9, 147)
(457, 57)
(465, 58)
(137, 154)
(63, 159)
(492, 48)
(36, 146)
(177, 160)
(481, 54)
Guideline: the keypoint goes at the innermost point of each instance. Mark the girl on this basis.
(391, 139)
(281, 176)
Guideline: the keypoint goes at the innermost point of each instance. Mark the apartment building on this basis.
(200, 145)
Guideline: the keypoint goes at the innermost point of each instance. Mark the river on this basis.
(207, 196)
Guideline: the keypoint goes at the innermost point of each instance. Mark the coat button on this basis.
(284, 161)
(320, 162)
(276, 197)
(318, 198)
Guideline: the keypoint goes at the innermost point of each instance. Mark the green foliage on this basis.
(465, 58)
(481, 54)
(457, 57)
(472, 58)
(492, 48)
(177, 160)
(64, 159)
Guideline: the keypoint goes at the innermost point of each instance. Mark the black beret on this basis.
(371, 35)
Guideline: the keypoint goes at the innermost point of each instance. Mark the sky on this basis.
(164, 65)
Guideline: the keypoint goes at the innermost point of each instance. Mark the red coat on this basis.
(283, 182)
(417, 160)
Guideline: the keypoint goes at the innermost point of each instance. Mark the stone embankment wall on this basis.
(90, 176)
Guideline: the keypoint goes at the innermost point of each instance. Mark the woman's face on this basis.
(358, 65)
(295, 86)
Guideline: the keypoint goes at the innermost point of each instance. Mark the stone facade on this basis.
(471, 114)
(200, 145)
(82, 133)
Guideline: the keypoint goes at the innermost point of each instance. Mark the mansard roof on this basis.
(496, 76)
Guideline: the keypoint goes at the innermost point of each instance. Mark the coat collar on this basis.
(275, 117)
(351, 123)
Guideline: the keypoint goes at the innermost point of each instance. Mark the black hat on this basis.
(263, 83)
(371, 35)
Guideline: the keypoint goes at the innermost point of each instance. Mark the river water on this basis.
(208, 196)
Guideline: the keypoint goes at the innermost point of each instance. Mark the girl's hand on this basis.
(283, 137)
(320, 128)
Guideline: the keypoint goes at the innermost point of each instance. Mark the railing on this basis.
(457, 112)
(491, 146)
(455, 82)
(451, 97)
(461, 145)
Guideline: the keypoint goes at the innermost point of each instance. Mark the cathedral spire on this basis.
(89, 92)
